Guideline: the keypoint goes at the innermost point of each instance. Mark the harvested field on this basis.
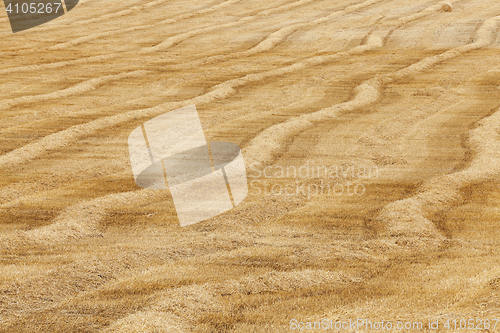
(370, 132)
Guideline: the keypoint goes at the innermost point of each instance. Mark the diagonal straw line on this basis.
(64, 6)
(147, 143)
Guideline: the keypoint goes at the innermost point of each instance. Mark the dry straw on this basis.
(179, 309)
(80, 88)
(405, 219)
(263, 147)
(62, 138)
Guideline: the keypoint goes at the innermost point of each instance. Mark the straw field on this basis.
(370, 132)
